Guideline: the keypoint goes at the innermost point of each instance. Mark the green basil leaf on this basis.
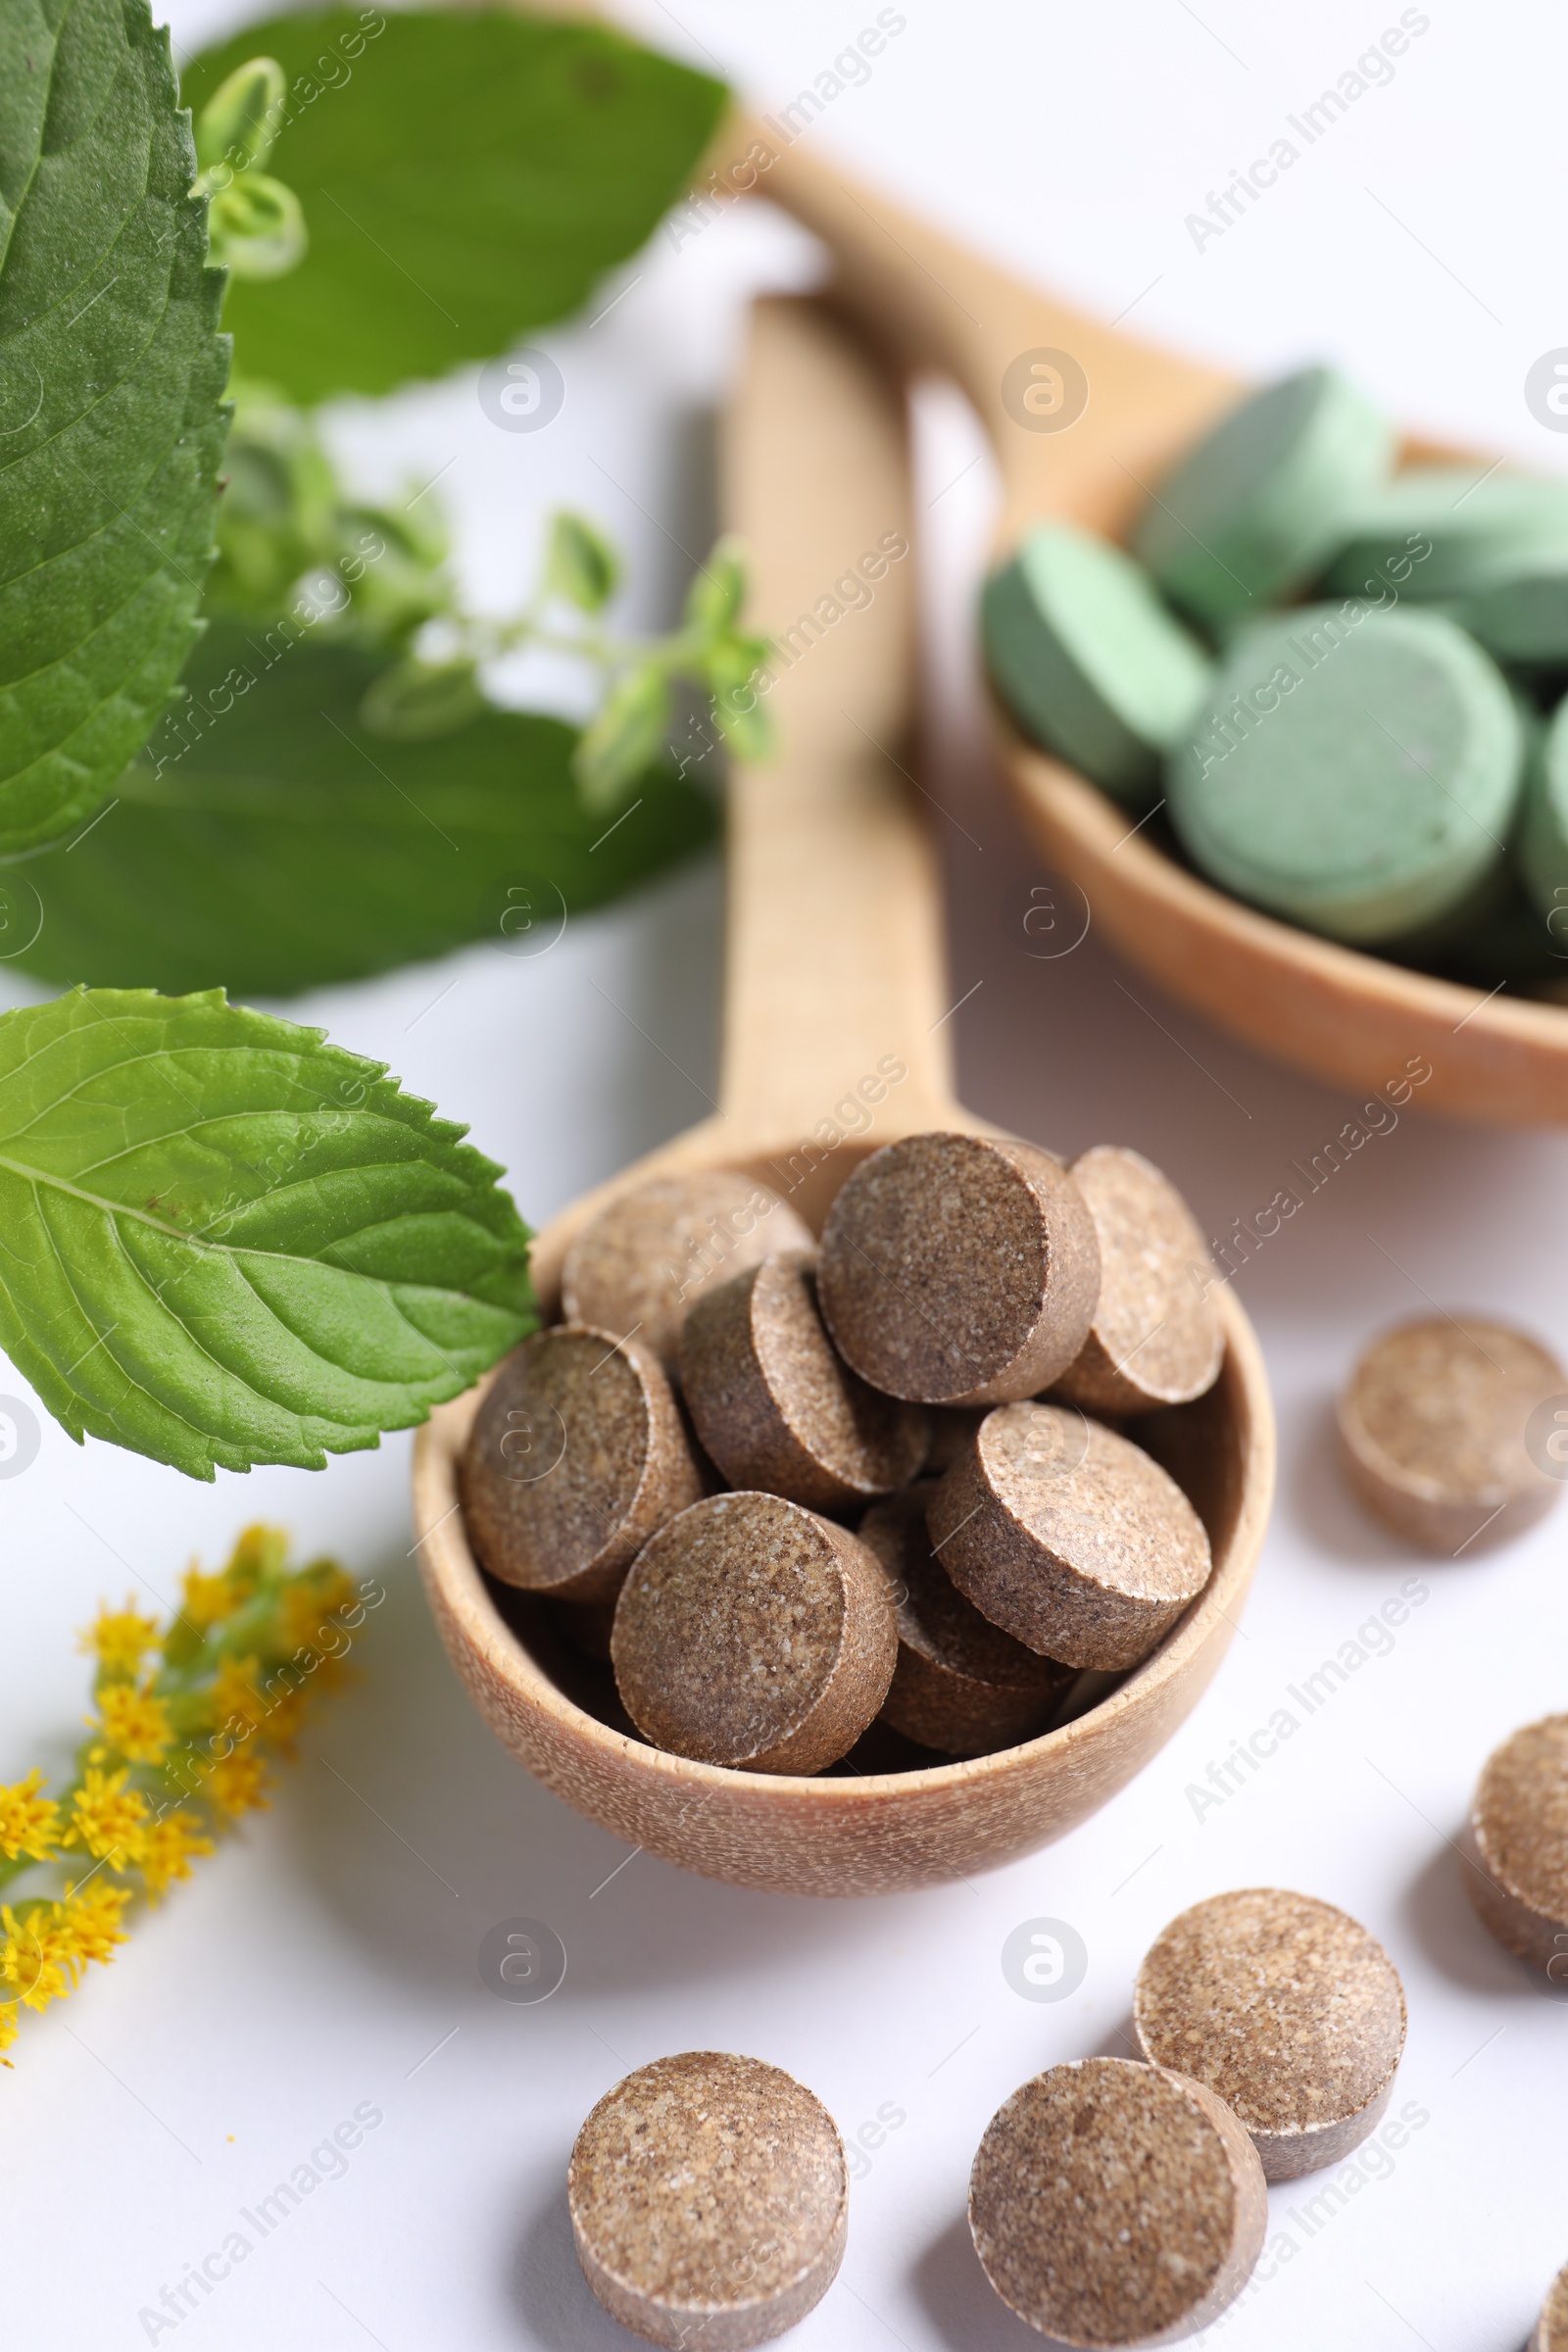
(112, 373)
(224, 1241)
(467, 178)
(288, 847)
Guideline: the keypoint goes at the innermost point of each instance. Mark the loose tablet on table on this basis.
(1435, 1431)
(1551, 2330)
(709, 2197)
(1288, 2010)
(1116, 2204)
(1520, 1823)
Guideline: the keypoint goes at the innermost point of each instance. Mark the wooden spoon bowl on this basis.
(834, 973)
(1335, 1012)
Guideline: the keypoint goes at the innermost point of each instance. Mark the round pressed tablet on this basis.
(1544, 830)
(1437, 531)
(775, 1405)
(960, 1685)
(1090, 661)
(1258, 506)
(1356, 771)
(576, 1455)
(1522, 617)
(1520, 1820)
(1156, 1338)
(960, 1270)
(1289, 2012)
(710, 2201)
(1435, 1431)
(1116, 2204)
(1068, 1536)
(1552, 2331)
(751, 1632)
(640, 1263)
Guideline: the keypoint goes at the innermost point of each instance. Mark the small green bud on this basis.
(716, 595)
(256, 227)
(416, 701)
(239, 122)
(583, 567)
(731, 671)
(625, 738)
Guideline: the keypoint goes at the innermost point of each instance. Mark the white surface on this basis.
(320, 1958)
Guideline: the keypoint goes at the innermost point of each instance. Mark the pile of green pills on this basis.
(1344, 689)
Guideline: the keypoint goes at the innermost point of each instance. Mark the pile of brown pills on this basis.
(710, 2201)
(1119, 2202)
(776, 1408)
(960, 1684)
(1286, 2009)
(644, 1260)
(1519, 1821)
(1440, 1430)
(799, 1490)
(1116, 2204)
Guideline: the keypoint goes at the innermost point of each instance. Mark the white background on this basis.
(327, 1951)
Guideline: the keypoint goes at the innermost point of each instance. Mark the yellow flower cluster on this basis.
(186, 1718)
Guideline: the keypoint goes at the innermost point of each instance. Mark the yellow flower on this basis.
(259, 1552)
(308, 1600)
(169, 1849)
(109, 1818)
(91, 1915)
(236, 1697)
(237, 1784)
(30, 1824)
(207, 1601)
(135, 1723)
(120, 1639)
(8, 2029)
(36, 1956)
(284, 1718)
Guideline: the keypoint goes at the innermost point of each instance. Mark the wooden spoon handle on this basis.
(934, 304)
(835, 965)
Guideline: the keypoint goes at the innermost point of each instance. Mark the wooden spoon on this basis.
(834, 970)
(1342, 1015)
